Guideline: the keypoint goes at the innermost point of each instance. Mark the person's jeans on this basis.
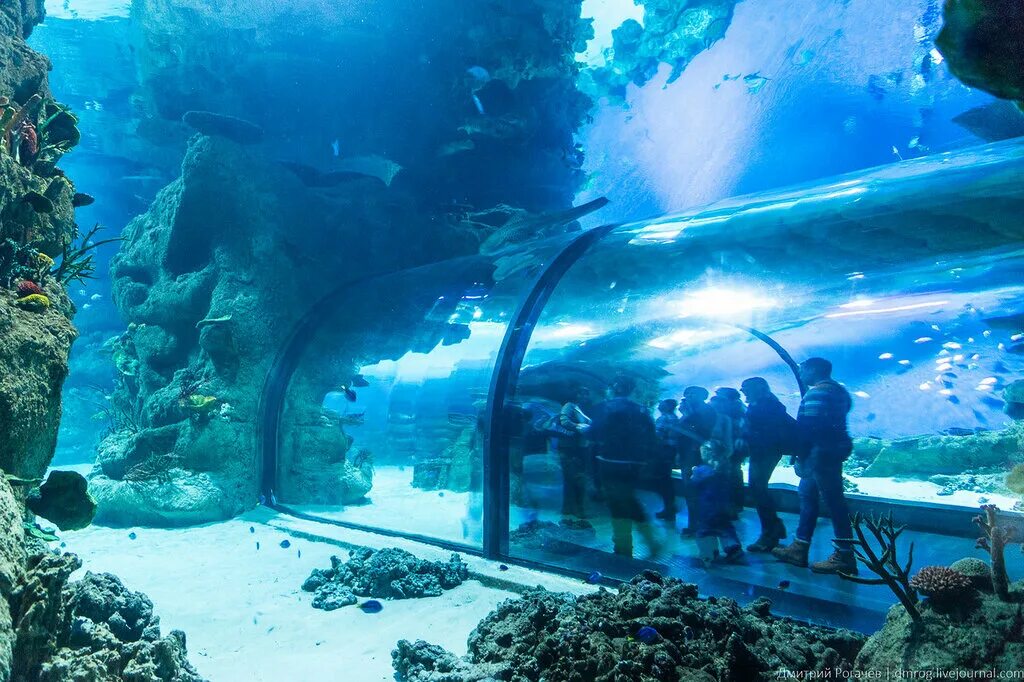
(619, 483)
(758, 475)
(823, 478)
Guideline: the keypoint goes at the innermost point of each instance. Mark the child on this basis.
(714, 524)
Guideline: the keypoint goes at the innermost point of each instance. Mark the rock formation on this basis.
(653, 628)
(389, 573)
(50, 630)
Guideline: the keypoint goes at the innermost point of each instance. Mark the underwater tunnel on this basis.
(907, 277)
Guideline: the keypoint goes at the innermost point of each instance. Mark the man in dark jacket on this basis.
(623, 433)
(824, 444)
(768, 433)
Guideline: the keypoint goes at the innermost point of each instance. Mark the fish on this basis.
(784, 584)
(936, 327)
(948, 375)
(648, 635)
(350, 395)
(257, 546)
(81, 292)
(993, 401)
(479, 73)
(952, 345)
(862, 394)
(285, 544)
(594, 578)
(989, 381)
(953, 399)
(1017, 337)
(885, 356)
(86, 306)
(905, 363)
(980, 417)
(132, 535)
(479, 105)
(354, 419)
(926, 386)
(871, 416)
(502, 567)
(263, 499)
(252, 529)
(95, 297)
(300, 554)
(958, 431)
(371, 606)
(688, 633)
(336, 147)
(1000, 367)
(1016, 349)
(923, 339)
(359, 381)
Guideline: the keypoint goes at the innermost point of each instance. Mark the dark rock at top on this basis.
(981, 41)
(222, 125)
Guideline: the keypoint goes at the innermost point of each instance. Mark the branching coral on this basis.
(884, 563)
(994, 539)
(155, 468)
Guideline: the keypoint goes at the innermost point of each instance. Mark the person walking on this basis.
(623, 433)
(769, 432)
(571, 443)
(668, 429)
(824, 444)
(697, 421)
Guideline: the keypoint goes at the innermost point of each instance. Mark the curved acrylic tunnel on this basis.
(907, 277)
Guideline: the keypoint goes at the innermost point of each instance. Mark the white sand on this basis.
(247, 618)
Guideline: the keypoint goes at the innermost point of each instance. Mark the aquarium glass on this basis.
(906, 277)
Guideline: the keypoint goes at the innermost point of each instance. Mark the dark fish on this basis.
(454, 333)
(314, 177)
(371, 606)
(132, 535)
(689, 633)
(359, 381)
(441, 494)
(350, 395)
(252, 529)
(980, 417)
(958, 431)
(648, 635)
(784, 584)
(993, 401)
(999, 120)
(286, 544)
(953, 399)
(502, 567)
(594, 578)
(257, 545)
(1016, 349)
(948, 375)
(871, 416)
(1000, 367)
(81, 199)
(300, 553)
(263, 499)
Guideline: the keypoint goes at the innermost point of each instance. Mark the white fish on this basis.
(86, 306)
(943, 353)
(970, 339)
(983, 387)
(862, 394)
(81, 292)
(479, 105)
(885, 356)
(976, 356)
(923, 339)
(905, 362)
(1017, 337)
(95, 297)
(945, 367)
(987, 333)
(988, 381)
(336, 147)
(959, 357)
(945, 391)
(936, 327)
(1001, 346)
(952, 345)
(926, 386)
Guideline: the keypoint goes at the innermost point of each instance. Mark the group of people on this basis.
(708, 437)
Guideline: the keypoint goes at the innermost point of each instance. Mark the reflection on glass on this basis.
(383, 424)
(906, 278)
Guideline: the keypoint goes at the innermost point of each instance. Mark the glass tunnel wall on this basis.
(906, 277)
(382, 422)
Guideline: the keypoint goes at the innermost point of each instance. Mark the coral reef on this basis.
(980, 40)
(941, 583)
(994, 538)
(975, 631)
(672, 34)
(557, 636)
(388, 573)
(926, 456)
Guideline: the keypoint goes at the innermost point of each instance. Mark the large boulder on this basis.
(930, 455)
(981, 41)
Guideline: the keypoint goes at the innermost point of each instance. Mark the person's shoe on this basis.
(839, 562)
(733, 555)
(769, 539)
(794, 553)
(765, 543)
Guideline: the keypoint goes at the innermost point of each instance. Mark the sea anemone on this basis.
(940, 582)
(27, 287)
